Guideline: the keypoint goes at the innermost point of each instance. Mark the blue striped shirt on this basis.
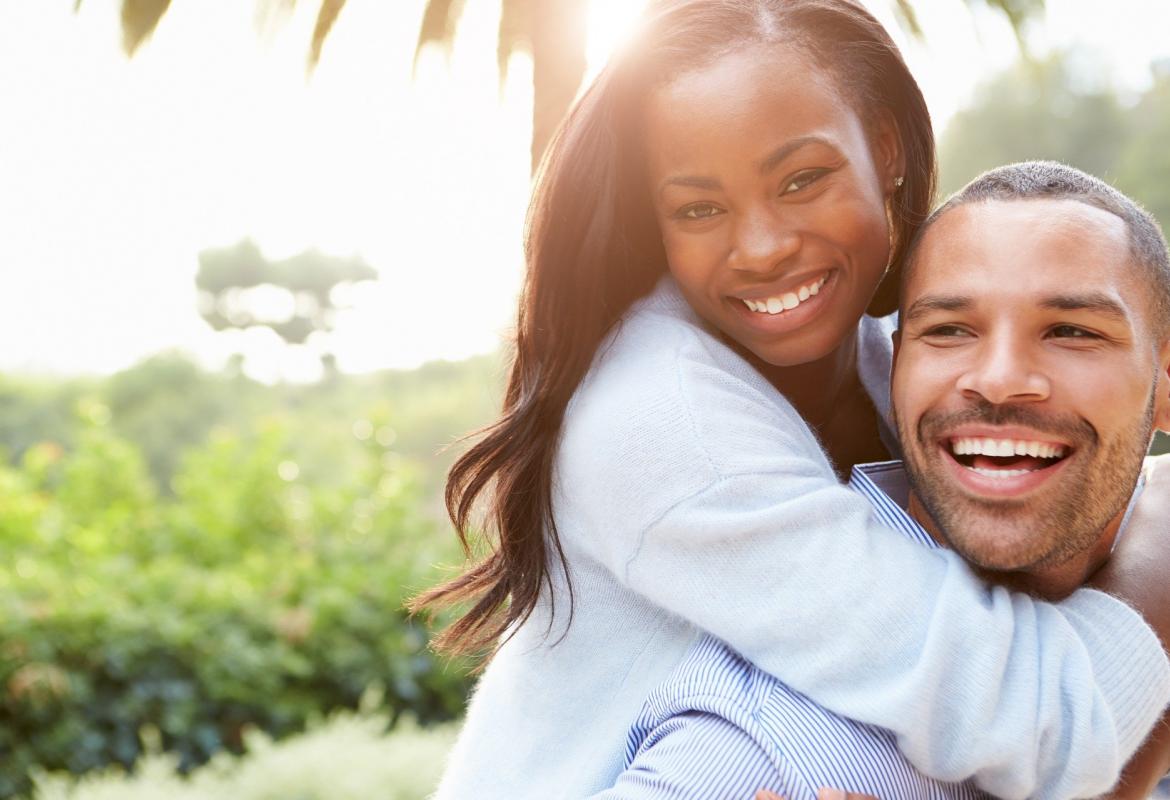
(719, 727)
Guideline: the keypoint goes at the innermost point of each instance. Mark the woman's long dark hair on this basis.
(592, 248)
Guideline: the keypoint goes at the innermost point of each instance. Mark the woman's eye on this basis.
(803, 179)
(697, 211)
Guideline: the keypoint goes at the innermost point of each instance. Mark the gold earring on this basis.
(898, 181)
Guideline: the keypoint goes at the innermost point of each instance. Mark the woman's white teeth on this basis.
(976, 446)
(786, 301)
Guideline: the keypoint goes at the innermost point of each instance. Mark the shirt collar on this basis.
(885, 486)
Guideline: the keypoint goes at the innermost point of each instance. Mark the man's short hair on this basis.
(1049, 180)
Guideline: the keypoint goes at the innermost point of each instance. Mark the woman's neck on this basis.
(829, 395)
(817, 388)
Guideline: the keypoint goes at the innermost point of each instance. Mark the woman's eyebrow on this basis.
(692, 181)
(785, 150)
(767, 164)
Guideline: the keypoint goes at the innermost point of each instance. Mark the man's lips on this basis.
(1000, 462)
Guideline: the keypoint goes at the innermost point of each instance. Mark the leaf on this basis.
(139, 19)
(330, 9)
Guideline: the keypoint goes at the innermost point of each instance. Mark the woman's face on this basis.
(771, 198)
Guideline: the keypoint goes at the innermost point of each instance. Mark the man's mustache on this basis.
(1067, 427)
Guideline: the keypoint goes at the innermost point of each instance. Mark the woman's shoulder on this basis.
(664, 392)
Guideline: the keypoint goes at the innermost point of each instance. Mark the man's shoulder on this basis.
(805, 742)
(712, 673)
(713, 679)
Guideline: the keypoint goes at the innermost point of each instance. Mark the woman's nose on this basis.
(762, 242)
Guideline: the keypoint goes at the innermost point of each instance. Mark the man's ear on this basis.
(1162, 390)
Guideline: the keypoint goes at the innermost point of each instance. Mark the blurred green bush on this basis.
(261, 585)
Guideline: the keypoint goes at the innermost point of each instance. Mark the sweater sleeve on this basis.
(711, 499)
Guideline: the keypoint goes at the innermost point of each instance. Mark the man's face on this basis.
(1027, 379)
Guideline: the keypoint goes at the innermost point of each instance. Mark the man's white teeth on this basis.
(1000, 473)
(788, 300)
(1005, 447)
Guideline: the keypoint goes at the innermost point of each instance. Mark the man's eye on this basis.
(945, 331)
(1071, 332)
(803, 179)
(697, 211)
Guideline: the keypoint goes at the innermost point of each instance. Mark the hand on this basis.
(823, 794)
(1136, 572)
(1144, 770)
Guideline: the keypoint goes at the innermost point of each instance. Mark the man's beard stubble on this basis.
(1020, 535)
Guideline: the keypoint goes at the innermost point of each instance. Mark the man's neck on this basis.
(1049, 581)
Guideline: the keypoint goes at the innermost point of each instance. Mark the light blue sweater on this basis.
(690, 495)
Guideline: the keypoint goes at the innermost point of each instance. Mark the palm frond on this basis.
(440, 19)
(908, 17)
(1019, 13)
(139, 19)
(325, 19)
(516, 25)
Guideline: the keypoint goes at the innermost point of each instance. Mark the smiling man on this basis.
(1030, 373)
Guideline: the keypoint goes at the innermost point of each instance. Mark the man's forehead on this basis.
(1006, 244)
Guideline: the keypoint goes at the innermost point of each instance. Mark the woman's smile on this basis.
(772, 312)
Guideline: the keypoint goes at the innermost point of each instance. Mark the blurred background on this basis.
(258, 264)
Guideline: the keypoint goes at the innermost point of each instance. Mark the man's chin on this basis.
(1008, 551)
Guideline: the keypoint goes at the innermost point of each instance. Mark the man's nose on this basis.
(1005, 370)
(763, 241)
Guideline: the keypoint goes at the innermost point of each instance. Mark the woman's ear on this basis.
(889, 157)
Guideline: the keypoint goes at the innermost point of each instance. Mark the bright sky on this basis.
(115, 173)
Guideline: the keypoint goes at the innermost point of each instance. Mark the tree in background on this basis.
(1046, 109)
(1059, 109)
(295, 297)
(1143, 168)
(553, 32)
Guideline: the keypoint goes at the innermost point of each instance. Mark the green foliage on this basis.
(1036, 110)
(264, 587)
(1059, 109)
(1144, 165)
(348, 757)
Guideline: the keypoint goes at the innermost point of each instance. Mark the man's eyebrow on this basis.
(1097, 302)
(936, 302)
(785, 150)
